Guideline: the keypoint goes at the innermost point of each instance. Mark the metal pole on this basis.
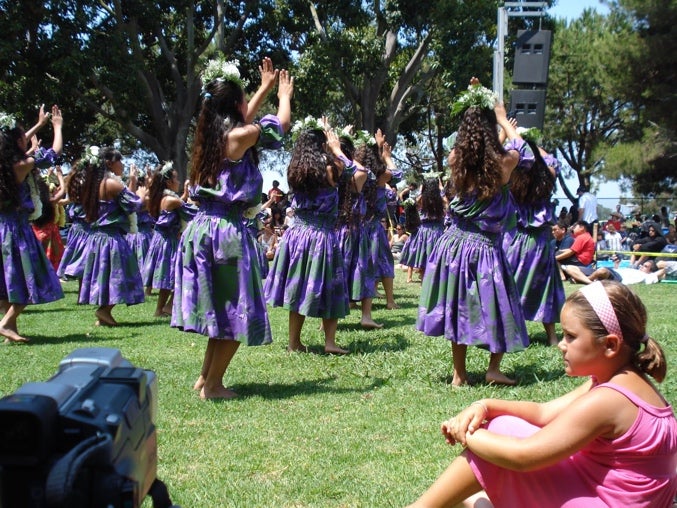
(499, 53)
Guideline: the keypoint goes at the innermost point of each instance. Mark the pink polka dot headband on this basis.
(596, 296)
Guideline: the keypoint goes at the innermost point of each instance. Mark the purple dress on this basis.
(218, 278)
(158, 270)
(379, 247)
(358, 265)
(468, 293)
(140, 240)
(110, 273)
(27, 276)
(307, 272)
(71, 264)
(419, 245)
(531, 256)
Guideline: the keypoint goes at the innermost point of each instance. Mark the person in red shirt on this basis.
(581, 253)
(276, 193)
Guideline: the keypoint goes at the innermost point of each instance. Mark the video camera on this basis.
(84, 438)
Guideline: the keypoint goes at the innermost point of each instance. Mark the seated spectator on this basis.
(671, 237)
(667, 270)
(561, 239)
(626, 276)
(653, 242)
(397, 241)
(601, 246)
(580, 254)
(612, 238)
(615, 220)
(289, 217)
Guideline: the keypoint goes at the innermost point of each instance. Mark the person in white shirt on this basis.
(587, 205)
(613, 238)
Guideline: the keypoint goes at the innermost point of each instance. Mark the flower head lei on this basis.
(92, 155)
(533, 134)
(167, 170)
(7, 121)
(222, 70)
(364, 138)
(475, 95)
(309, 123)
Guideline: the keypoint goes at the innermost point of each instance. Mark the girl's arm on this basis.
(268, 77)
(42, 121)
(588, 417)
(285, 91)
(170, 203)
(61, 191)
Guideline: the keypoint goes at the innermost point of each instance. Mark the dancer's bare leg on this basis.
(550, 332)
(104, 316)
(296, 321)
(458, 353)
(4, 306)
(410, 274)
(8, 325)
(453, 487)
(390, 294)
(494, 374)
(206, 362)
(222, 354)
(163, 303)
(367, 321)
(330, 338)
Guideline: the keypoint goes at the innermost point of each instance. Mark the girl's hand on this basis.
(380, 138)
(387, 150)
(466, 422)
(474, 81)
(285, 86)
(333, 143)
(57, 118)
(499, 109)
(42, 116)
(268, 73)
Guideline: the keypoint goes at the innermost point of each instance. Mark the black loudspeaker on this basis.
(532, 57)
(528, 107)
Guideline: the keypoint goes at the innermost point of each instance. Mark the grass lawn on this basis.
(308, 430)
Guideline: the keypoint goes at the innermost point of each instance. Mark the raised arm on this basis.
(268, 77)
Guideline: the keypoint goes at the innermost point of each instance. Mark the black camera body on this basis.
(84, 438)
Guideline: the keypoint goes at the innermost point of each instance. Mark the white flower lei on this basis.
(224, 70)
(475, 95)
(91, 155)
(35, 197)
(7, 121)
(308, 123)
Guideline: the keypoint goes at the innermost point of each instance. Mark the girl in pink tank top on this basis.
(612, 442)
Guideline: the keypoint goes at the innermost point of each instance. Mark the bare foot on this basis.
(498, 378)
(352, 305)
(370, 324)
(335, 350)
(162, 313)
(392, 305)
(221, 392)
(459, 381)
(379, 295)
(104, 318)
(12, 336)
(409, 281)
(199, 383)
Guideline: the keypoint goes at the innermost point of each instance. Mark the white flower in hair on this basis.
(224, 70)
(7, 121)
(308, 123)
(92, 155)
(477, 96)
(167, 169)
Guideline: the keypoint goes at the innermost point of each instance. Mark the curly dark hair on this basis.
(534, 184)
(220, 113)
(158, 184)
(307, 169)
(75, 180)
(10, 154)
(93, 177)
(370, 157)
(476, 166)
(432, 203)
(412, 219)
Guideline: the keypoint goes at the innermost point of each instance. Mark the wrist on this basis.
(483, 405)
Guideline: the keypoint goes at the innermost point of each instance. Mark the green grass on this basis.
(307, 430)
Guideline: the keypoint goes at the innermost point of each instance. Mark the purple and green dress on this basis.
(307, 272)
(531, 256)
(217, 290)
(358, 265)
(158, 270)
(420, 244)
(140, 240)
(377, 237)
(26, 275)
(468, 293)
(110, 271)
(71, 264)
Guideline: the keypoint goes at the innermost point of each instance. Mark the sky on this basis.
(569, 9)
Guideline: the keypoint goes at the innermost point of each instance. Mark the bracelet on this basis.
(484, 406)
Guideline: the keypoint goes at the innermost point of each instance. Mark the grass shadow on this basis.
(277, 391)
